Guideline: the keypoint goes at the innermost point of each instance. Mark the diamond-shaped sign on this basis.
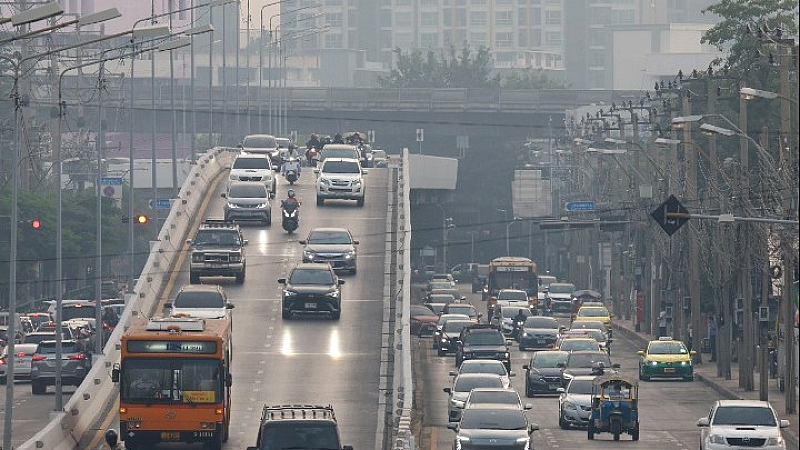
(670, 224)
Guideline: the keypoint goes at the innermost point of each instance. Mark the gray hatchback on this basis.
(248, 201)
(75, 365)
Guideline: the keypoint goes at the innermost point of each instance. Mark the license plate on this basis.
(311, 305)
(216, 265)
(540, 341)
(203, 434)
(170, 435)
(669, 369)
(553, 386)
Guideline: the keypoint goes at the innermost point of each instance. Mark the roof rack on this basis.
(218, 223)
(297, 411)
(665, 338)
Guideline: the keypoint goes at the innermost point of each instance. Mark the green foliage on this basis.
(731, 33)
(464, 69)
(530, 78)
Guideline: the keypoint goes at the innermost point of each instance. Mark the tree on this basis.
(530, 78)
(732, 34)
(464, 69)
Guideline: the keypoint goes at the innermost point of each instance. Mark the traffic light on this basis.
(35, 224)
(141, 219)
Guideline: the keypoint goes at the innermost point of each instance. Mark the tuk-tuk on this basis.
(584, 296)
(615, 407)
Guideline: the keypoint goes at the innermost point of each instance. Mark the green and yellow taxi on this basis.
(666, 358)
(597, 313)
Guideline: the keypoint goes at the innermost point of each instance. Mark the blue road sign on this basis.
(587, 205)
(161, 203)
(111, 181)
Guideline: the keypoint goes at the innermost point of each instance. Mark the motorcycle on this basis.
(517, 329)
(312, 157)
(291, 176)
(290, 217)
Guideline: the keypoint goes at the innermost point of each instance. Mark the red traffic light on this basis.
(35, 224)
(141, 219)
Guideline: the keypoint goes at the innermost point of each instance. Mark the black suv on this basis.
(312, 288)
(483, 341)
(217, 250)
(298, 427)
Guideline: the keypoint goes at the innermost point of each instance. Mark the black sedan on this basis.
(543, 373)
(539, 332)
(311, 288)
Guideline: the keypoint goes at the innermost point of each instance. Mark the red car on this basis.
(423, 320)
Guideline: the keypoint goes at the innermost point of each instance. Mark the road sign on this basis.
(587, 205)
(420, 134)
(371, 136)
(293, 136)
(161, 203)
(110, 187)
(462, 141)
(670, 224)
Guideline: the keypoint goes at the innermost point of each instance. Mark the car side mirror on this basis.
(446, 390)
(347, 447)
(640, 353)
(223, 195)
(561, 365)
(452, 426)
(282, 280)
(316, 171)
(453, 373)
(245, 241)
(479, 314)
(189, 241)
(784, 423)
(229, 380)
(615, 366)
(526, 367)
(363, 172)
(167, 305)
(355, 242)
(533, 427)
(703, 422)
(561, 390)
(303, 242)
(528, 406)
(509, 342)
(229, 305)
(115, 373)
(692, 353)
(341, 282)
(512, 374)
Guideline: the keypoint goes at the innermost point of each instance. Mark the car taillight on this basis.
(2, 360)
(78, 356)
(38, 358)
(21, 354)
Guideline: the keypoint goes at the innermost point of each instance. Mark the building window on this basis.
(386, 18)
(386, 39)
(447, 18)
(429, 40)
(536, 16)
(535, 38)
(477, 40)
(402, 19)
(522, 38)
(478, 2)
(479, 19)
(429, 19)
(402, 2)
(461, 17)
(333, 40)
(503, 18)
(403, 40)
(503, 40)
(553, 38)
(333, 20)
(553, 17)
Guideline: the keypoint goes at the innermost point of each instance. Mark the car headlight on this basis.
(653, 363)
(198, 257)
(505, 355)
(357, 183)
(463, 439)
(350, 255)
(444, 339)
(235, 257)
(232, 205)
(458, 403)
(717, 439)
(261, 205)
(775, 441)
(524, 334)
(309, 254)
(324, 181)
(686, 363)
(334, 294)
(569, 405)
(288, 293)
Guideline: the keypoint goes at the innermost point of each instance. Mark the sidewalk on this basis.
(728, 389)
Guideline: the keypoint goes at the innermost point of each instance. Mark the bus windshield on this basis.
(512, 280)
(171, 381)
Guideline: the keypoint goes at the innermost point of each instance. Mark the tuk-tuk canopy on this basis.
(614, 387)
(586, 294)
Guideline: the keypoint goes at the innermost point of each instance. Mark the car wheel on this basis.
(689, 378)
(354, 270)
(130, 445)
(194, 278)
(336, 315)
(458, 361)
(440, 352)
(528, 391)
(590, 431)
(320, 201)
(635, 433)
(286, 315)
(521, 348)
(563, 424)
(360, 201)
(38, 388)
(2, 380)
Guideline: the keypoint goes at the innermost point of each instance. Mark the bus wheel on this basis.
(216, 444)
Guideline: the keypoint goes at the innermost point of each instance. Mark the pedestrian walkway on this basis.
(728, 389)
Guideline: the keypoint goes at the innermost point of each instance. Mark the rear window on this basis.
(251, 163)
(519, 296)
(259, 142)
(199, 300)
(48, 347)
(279, 435)
(541, 322)
(466, 384)
(36, 338)
(329, 237)
(78, 312)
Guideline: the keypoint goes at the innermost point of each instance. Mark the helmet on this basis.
(291, 193)
(313, 136)
(337, 136)
(111, 438)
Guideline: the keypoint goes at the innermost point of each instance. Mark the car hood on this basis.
(484, 348)
(310, 288)
(250, 201)
(216, 248)
(250, 171)
(450, 335)
(547, 371)
(741, 431)
(340, 176)
(579, 399)
(329, 248)
(201, 313)
(667, 358)
(498, 438)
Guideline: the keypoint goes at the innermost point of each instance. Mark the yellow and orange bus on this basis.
(175, 382)
(511, 272)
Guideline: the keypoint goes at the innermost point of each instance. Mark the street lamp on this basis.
(508, 228)
(750, 93)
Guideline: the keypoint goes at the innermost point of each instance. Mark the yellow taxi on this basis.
(598, 313)
(666, 358)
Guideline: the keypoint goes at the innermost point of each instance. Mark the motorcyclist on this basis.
(290, 202)
(291, 163)
(518, 321)
(337, 139)
(314, 142)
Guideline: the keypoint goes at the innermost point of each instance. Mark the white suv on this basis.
(741, 423)
(340, 178)
(254, 167)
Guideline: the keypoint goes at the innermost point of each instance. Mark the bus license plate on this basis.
(170, 435)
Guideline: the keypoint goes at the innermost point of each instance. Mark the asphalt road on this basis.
(300, 361)
(668, 409)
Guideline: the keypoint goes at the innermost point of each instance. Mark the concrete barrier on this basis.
(91, 401)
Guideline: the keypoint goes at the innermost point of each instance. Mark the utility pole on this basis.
(745, 286)
(691, 156)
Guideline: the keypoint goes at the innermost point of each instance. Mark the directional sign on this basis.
(420, 134)
(110, 187)
(669, 224)
(161, 203)
(587, 205)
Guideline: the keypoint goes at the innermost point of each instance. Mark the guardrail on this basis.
(404, 391)
(91, 401)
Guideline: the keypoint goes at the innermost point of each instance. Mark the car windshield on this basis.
(541, 322)
(493, 419)
(597, 335)
(329, 237)
(304, 435)
(379, 154)
(561, 288)
(442, 298)
(259, 142)
(341, 167)
(419, 310)
(571, 345)
(466, 384)
(251, 163)
(548, 360)
(517, 296)
(546, 280)
(439, 285)
(507, 397)
(248, 190)
(509, 313)
(587, 324)
(495, 367)
(586, 360)
(593, 312)
(78, 312)
(455, 326)
(199, 300)
(309, 276)
(468, 310)
(217, 237)
(490, 338)
(744, 415)
(580, 387)
(667, 348)
(283, 142)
